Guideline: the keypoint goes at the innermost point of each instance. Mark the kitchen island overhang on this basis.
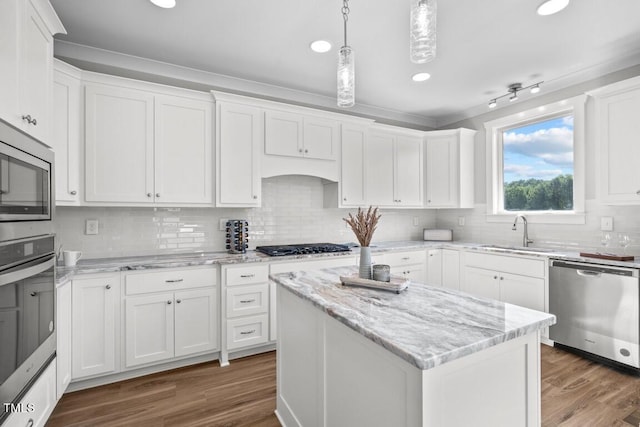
(426, 357)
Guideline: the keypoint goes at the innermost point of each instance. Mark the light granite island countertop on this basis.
(427, 356)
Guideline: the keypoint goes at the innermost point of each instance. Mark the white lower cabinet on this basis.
(451, 269)
(38, 403)
(434, 267)
(63, 338)
(95, 315)
(162, 325)
(247, 331)
(516, 280)
(412, 265)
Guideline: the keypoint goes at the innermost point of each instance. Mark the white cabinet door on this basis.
(451, 269)
(524, 291)
(183, 150)
(352, 182)
(95, 312)
(238, 141)
(9, 27)
(148, 329)
(283, 134)
(118, 145)
(63, 338)
(196, 322)
(442, 170)
(35, 73)
(481, 282)
(408, 171)
(379, 170)
(434, 267)
(320, 138)
(67, 100)
(618, 130)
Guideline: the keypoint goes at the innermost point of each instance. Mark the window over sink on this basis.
(536, 164)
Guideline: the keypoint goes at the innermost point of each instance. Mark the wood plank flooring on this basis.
(575, 392)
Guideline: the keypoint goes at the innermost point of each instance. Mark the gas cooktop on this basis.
(302, 249)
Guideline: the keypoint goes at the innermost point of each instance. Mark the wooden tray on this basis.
(612, 257)
(397, 283)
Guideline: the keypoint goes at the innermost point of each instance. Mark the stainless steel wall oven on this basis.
(27, 263)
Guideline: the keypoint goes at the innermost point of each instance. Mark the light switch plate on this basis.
(461, 221)
(91, 226)
(606, 223)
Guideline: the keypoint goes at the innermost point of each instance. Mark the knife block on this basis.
(237, 236)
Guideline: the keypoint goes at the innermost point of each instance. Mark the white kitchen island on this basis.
(429, 356)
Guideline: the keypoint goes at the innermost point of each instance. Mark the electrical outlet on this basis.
(223, 224)
(606, 223)
(91, 226)
(416, 221)
(461, 221)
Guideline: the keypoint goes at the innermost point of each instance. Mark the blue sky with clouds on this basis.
(541, 150)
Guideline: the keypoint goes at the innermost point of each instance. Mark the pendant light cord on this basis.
(345, 17)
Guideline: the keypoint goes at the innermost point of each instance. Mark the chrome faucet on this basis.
(525, 234)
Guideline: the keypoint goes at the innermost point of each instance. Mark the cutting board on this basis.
(612, 257)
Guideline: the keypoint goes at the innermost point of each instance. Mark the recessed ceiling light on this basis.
(166, 4)
(320, 46)
(550, 7)
(420, 77)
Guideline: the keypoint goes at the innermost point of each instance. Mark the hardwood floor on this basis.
(575, 392)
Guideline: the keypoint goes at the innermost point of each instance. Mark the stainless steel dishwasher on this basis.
(597, 309)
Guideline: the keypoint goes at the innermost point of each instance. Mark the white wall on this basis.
(292, 212)
(587, 236)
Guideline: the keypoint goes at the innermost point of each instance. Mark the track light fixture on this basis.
(512, 92)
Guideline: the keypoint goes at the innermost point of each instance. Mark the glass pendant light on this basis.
(346, 67)
(422, 40)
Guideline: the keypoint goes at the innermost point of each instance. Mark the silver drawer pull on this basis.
(588, 273)
(253, 331)
(246, 301)
(247, 276)
(33, 294)
(406, 258)
(174, 280)
(73, 192)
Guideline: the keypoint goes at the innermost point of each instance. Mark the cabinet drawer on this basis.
(169, 280)
(247, 331)
(41, 397)
(246, 300)
(246, 275)
(406, 258)
(507, 264)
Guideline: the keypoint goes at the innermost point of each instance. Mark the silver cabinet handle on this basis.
(28, 119)
(248, 332)
(299, 150)
(306, 151)
(30, 422)
(178, 301)
(158, 195)
(246, 301)
(149, 195)
(174, 280)
(247, 276)
(495, 277)
(168, 302)
(33, 294)
(638, 192)
(345, 199)
(108, 287)
(428, 201)
(73, 192)
(255, 197)
(501, 278)
(406, 258)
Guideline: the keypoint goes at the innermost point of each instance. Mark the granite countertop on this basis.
(424, 325)
(106, 265)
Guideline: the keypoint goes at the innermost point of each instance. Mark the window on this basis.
(535, 159)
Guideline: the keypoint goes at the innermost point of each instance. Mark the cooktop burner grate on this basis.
(302, 249)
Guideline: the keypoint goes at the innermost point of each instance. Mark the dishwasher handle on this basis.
(595, 270)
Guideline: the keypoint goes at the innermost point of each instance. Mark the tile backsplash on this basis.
(292, 212)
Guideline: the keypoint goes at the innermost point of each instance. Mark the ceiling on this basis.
(483, 46)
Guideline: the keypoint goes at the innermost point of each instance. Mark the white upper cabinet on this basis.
(618, 127)
(449, 168)
(145, 146)
(238, 144)
(298, 135)
(67, 131)
(26, 54)
(183, 156)
(119, 145)
(352, 173)
(394, 168)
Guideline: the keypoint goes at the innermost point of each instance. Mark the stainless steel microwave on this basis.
(26, 185)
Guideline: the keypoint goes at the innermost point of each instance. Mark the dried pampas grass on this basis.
(364, 224)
